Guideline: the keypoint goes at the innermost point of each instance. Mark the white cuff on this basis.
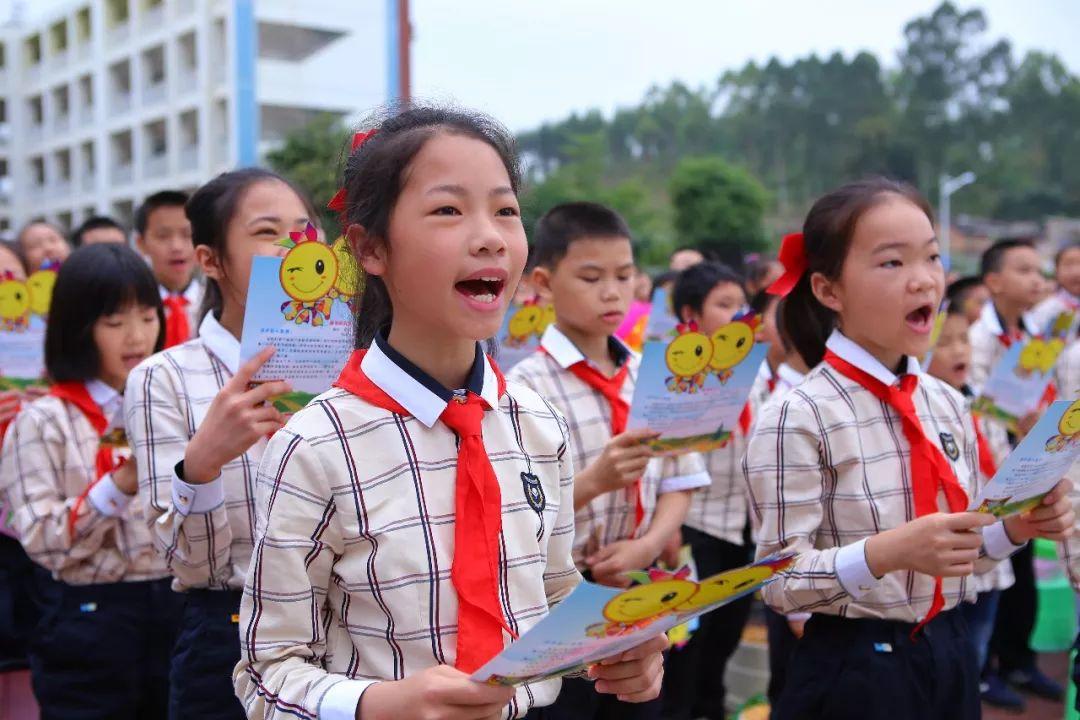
(107, 498)
(853, 571)
(684, 482)
(342, 701)
(799, 617)
(996, 542)
(197, 499)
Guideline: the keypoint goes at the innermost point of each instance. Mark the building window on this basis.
(33, 50)
(120, 87)
(153, 71)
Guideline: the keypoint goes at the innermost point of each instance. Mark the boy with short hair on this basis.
(163, 235)
(627, 503)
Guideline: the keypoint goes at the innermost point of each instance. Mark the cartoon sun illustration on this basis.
(546, 320)
(1068, 429)
(1031, 357)
(349, 283)
(730, 583)
(14, 303)
(308, 273)
(41, 289)
(1050, 354)
(687, 357)
(1062, 323)
(731, 344)
(659, 593)
(523, 323)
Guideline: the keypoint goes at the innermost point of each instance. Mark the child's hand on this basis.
(125, 477)
(439, 692)
(623, 461)
(610, 564)
(1053, 519)
(237, 418)
(941, 545)
(635, 675)
(1024, 424)
(670, 554)
(9, 405)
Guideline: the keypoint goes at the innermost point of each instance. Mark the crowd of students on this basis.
(177, 547)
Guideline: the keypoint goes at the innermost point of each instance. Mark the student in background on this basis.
(1066, 297)
(685, 257)
(418, 516)
(853, 470)
(709, 295)
(198, 432)
(970, 295)
(627, 504)
(40, 242)
(108, 616)
(163, 235)
(951, 363)
(99, 229)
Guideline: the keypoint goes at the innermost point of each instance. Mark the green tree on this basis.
(718, 207)
(310, 157)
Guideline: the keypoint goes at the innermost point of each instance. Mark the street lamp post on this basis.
(946, 187)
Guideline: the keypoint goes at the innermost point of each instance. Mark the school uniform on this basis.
(107, 614)
(993, 447)
(595, 408)
(989, 342)
(181, 311)
(830, 466)
(1060, 301)
(362, 550)
(203, 531)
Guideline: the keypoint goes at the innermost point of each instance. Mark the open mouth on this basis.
(960, 368)
(132, 359)
(482, 289)
(921, 319)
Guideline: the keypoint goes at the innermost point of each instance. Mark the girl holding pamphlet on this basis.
(198, 432)
(867, 468)
(418, 517)
(108, 615)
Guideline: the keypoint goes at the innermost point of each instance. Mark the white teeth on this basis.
(485, 298)
(489, 279)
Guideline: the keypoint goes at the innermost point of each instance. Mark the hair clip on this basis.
(686, 327)
(793, 258)
(337, 203)
(308, 234)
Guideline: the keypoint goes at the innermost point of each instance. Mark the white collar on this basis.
(855, 354)
(106, 398)
(765, 372)
(192, 293)
(990, 320)
(789, 375)
(411, 392)
(220, 343)
(564, 352)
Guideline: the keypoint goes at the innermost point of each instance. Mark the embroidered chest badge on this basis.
(534, 492)
(948, 444)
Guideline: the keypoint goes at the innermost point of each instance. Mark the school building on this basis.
(103, 102)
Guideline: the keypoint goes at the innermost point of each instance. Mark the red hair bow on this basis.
(308, 234)
(337, 203)
(687, 327)
(793, 258)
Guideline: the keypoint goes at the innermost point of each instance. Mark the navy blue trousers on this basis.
(207, 651)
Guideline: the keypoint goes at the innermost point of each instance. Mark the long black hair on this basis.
(827, 234)
(375, 174)
(95, 280)
(212, 207)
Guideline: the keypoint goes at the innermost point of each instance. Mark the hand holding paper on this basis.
(633, 676)
(1052, 519)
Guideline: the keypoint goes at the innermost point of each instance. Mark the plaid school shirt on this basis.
(204, 531)
(828, 467)
(47, 464)
(987, 346)
(1061, 301)
(350, 579)
(1001, 576)
(610, 517)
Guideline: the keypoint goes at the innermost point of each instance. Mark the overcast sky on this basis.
(526, 61)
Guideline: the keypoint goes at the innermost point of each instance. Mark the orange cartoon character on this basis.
(349, 283)
(687, 358)
(524, 323)
(14, 303)
(731, 344)
(658, 594)
(308, 273)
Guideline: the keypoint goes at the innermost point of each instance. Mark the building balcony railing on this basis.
(156, 166)
(153, 94)
(122, 174)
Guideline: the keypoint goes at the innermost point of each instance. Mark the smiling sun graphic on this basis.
(308, 273)
(687, 358)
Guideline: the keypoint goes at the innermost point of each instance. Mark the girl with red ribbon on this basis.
(109, 615)
(867, 467)
(419, 516)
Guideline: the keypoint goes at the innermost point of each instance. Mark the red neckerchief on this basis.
(746, 417)
(478, 517)
(105, 461)
(987, 464)
(177, 327)
(930, 470)
(611, 389)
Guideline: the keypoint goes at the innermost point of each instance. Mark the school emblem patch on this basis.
(948, 444)
(534, 492)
